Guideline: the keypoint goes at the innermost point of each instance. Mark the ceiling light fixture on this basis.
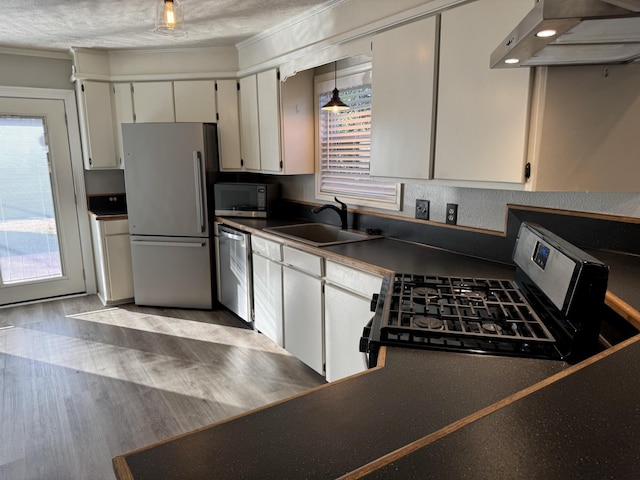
(170, 19)
(335, 104)
(546, 33)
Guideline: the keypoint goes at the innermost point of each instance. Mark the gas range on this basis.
(551, 309)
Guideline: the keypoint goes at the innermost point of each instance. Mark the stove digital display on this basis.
(541, 255)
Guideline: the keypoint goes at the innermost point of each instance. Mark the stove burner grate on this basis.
(458, 308)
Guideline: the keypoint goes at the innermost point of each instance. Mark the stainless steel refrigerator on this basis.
(169, 171)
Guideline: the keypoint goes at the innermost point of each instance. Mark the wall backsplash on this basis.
(482, 208)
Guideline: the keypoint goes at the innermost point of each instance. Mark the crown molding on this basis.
(56, 54)
(289, 23)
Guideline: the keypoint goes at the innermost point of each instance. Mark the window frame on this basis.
(346, 78)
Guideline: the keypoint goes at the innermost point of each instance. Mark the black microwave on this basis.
(245, 199)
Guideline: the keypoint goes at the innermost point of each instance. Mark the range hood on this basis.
(587, 32)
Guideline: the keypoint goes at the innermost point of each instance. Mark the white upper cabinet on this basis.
(228, 124)
(153, 102)
(585, 129)
(277, 123)
(269, 120)
(402, 100)
(97, 126)
(195, 101)
(122, 113)
(297, 124)
(249, 128)
(482, 119)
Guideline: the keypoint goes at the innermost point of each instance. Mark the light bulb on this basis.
(545, 33)
(169, 14)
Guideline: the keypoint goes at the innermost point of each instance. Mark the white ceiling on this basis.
(129, 24)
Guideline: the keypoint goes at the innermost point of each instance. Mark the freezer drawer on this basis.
(172, 271)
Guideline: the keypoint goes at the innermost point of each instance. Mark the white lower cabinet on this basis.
(315, 308)
(347, 302)
(267, 288)
(112, 254)
(303, 307)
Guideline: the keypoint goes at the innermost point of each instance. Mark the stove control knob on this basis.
(374, 301)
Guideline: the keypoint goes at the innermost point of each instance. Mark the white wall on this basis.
(28, 70)
(482, 208)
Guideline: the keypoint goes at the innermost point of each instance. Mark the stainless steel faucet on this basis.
(342, 211)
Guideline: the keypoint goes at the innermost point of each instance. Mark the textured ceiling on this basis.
(126, 24)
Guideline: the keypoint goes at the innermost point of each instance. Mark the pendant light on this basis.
(170, 19)
(335, 104)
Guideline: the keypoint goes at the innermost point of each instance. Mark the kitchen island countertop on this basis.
(402, 418)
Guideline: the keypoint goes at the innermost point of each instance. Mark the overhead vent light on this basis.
(573, 32)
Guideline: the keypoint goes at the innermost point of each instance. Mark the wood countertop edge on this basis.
(119, 216)
(457, 425)
(623, 309)
(121, 467)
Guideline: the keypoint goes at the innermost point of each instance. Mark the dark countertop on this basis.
(336, 428)
(407, 257)
(585, 425)
(624, 275)
(388, 254)
(526, 416)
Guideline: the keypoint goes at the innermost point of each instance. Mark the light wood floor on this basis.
(82, 383)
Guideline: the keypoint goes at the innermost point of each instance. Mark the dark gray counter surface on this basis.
(624, 275)
(337, 428)
(407, 257)
(585, 425)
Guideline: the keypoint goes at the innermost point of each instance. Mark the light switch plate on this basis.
(422, 209)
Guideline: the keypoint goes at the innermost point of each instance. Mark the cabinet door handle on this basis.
(197, 169)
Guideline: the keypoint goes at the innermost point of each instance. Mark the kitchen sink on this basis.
(320, 234)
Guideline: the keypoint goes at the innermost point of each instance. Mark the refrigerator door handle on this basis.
(197, 168)
(151, 243)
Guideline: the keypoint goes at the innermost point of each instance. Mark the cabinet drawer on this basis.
(115, 227)
(303, 260)
(353, 279)
(266, 248)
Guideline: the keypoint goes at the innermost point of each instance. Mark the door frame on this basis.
(68, 97)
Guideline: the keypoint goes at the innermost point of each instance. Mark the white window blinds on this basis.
(345, 151)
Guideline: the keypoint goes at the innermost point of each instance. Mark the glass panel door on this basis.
(40, 250)
(29, 245)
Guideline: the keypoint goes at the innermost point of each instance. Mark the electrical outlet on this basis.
(422, 209)
(452, 213)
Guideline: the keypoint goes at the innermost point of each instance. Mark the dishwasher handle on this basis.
(228, 234)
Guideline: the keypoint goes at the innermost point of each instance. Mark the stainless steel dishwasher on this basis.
(233, 252)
